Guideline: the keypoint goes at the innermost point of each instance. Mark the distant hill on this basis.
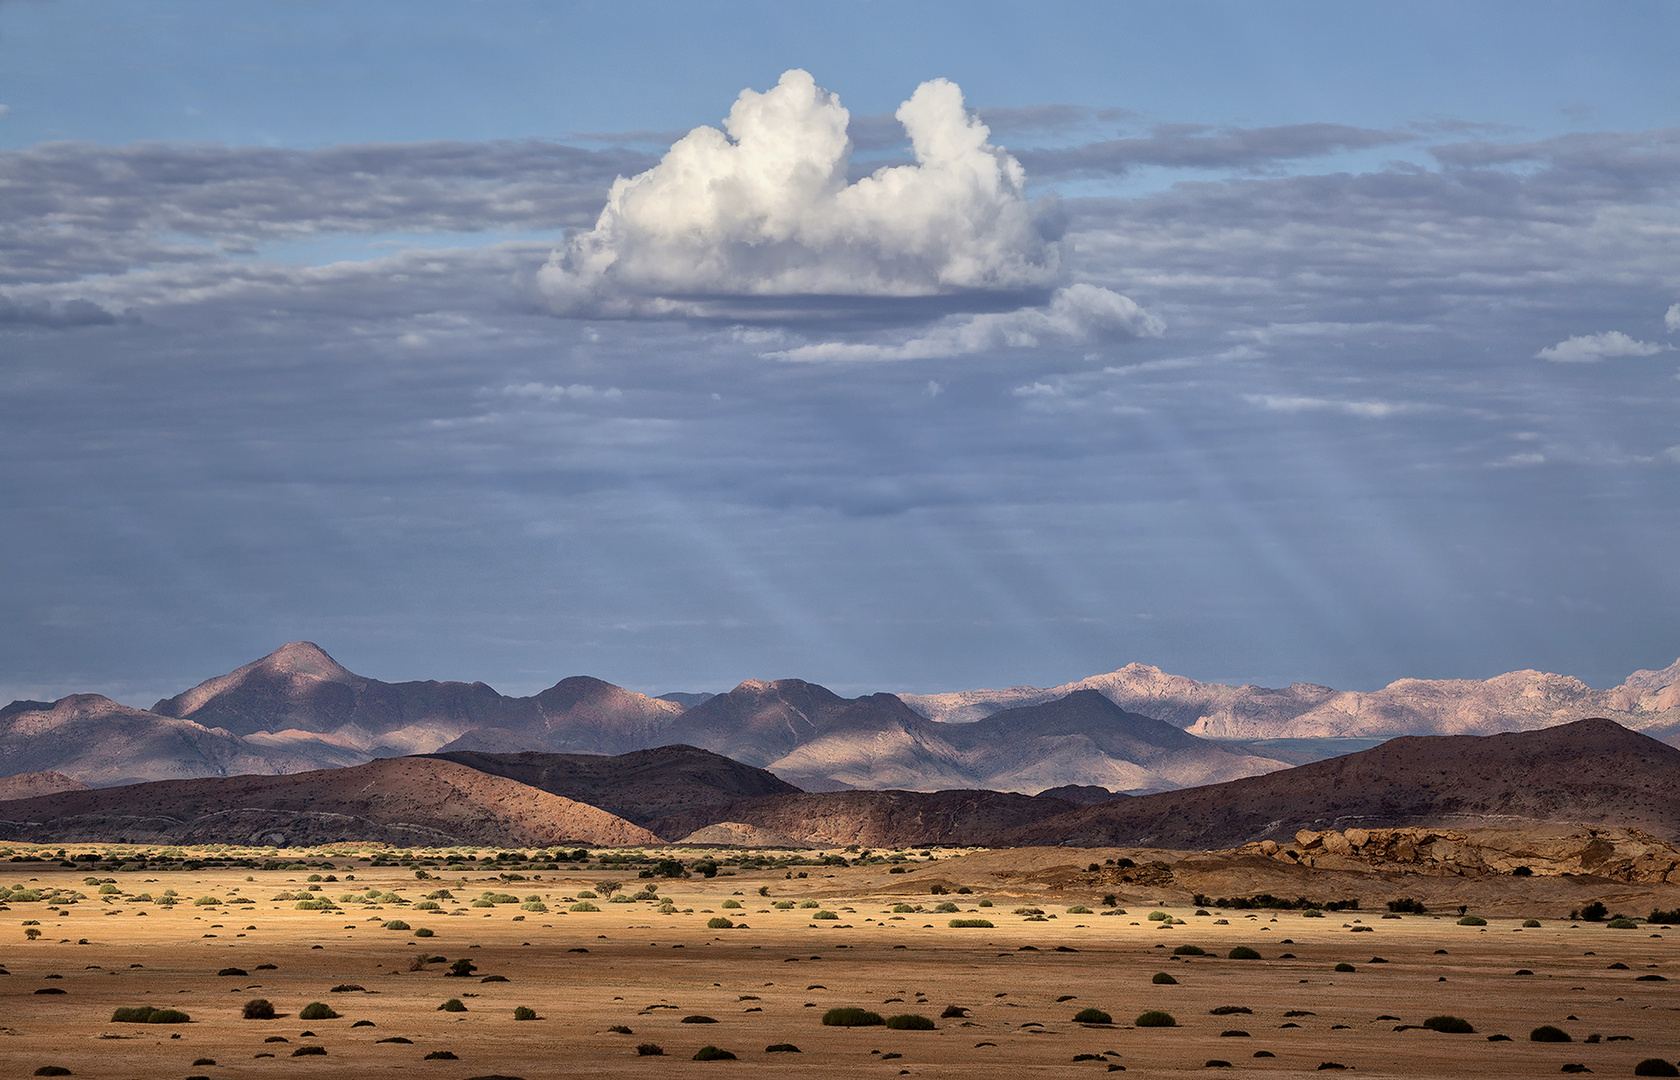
(1590, 772)
(638, 786)
(28, 785)
(1647, 701)
(409, 801)
(879, 819)
(97, 741)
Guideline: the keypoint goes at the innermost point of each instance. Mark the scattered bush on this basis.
(1406, 905)
(239, 972)
(422, 932)
(52, 1070)
(1159, 916)
(1655, 1067)
(1530, 924)
(1079, 909)
(310, 1051)
(712, 1053)
(1471, 920)
(1343, 967)
(1243, 952)
(317, 1010)
(650, 1050)
(1092, 1016)
(1189, 950)
(718, 922)
(523, 1013)
(953, 1012)
(781, 1048)
(146, 1014)
(851, 1016)
(1621, 924)
(1230, 1010)
(909, 1022)
(1161, 978)
(1548, 1033)
(1661, 916)
(441, 1055)
(397, 924)
(452, 1005)
(729, 904)
(697, 1019)
(984, 924)
(584, 905)
(1595, 912)
(259, 1009)
(1156, 1018)
(1452, 1025)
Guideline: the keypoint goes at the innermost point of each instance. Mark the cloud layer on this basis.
(764, 210)
(1591, 348)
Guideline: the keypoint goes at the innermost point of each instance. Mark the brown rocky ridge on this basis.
(407, 801)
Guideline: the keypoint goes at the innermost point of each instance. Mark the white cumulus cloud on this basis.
(1079, 314)
(763, 209)
(1591, 348)
(576, 392)
(1672, 318)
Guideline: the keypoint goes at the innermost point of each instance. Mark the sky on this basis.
(895, 347)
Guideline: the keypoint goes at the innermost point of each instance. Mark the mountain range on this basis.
(1584, 775)
(1134, 730)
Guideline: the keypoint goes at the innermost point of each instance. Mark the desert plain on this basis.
(607, 983)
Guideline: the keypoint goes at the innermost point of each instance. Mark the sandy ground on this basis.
(771, 980)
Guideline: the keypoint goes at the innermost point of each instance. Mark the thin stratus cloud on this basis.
(894, 347)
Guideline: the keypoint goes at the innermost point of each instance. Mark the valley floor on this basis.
(770, 978)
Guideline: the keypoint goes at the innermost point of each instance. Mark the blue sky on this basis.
(1263, 343)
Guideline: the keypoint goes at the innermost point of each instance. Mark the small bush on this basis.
(1229, 1010)
(712, 1053)
(452, 1005)
(1243, 952)
(851, 1016)
(397, 924)
(1158, 916)
(825, 915)
(953, 1012)
(441, 1055)
(781, 1048)
(1312, 913)
(1621, 924)
(1661, 916)
(1343, 967)
(1595, 912)
(909, 1022)
(317, 1010)
(1549, 1033)
(698, 1019)
(259, 1009)
(1092, 1016)
(1530, 924)
(1452, 1025)
(53, 1070)
(239, 972)
(1189, 950)
(523, 1013)
(1079, 909)
(1407, 906)
(1161, 978)
(984, 924)
(422, 932)
(1156, 1018)
(146, 1014)
(1655, 1067)
(310, 1051)
(584, 905)
(718, 922)
(945, 908)
(650, 1050)
(1471, 920)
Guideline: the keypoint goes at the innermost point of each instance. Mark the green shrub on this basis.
(825, 915)
(533, 905)
(1312, 913)
(1452, 1025)
(317, 1010)
(206, 901)
(523, 1013)
(1243, 952)
(1159, 916)
(1079, 909)
(259, 1009)
(809, 904)
(1161, 978)
(786, 905)
(1092, 1016)
(851, 1016)
(946, 908)
(1655, 1067)
(1189, 950)
(584, 905)
(1661, 916)
(649, 1050)
(1621, 924)
(1530, 924)
(422, 932)
(397, 924)
(1156, 1018)
(909, 1022)
(985, 903)
(1549, 1033)
(718, 922)
(452, 1005)
(712, 1053)
(146, 1014)
(730, 904)
(1472, 920)
(957, 924)
(320, 903)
